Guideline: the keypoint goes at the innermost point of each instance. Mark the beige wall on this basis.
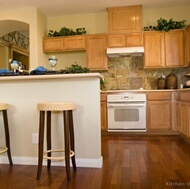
(37, 24)
(150, 16)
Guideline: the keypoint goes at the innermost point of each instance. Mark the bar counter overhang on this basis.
(22, 93)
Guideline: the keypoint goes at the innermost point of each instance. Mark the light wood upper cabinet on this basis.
(188, 45)
(74, 43)
(60, 44)
(125, 40)
(159, 112)
(154, 49)
(116, 40)
(96, 52)
(124, 19)
(53, 44)
(134, 39)
(175, 48)
(164, 49)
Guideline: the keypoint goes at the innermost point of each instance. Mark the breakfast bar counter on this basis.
(22, 93)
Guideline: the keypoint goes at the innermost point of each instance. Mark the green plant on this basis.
(102, 84)
(75, 68)
(66, 32)
(164, 25)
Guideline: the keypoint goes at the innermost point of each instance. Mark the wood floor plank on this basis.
(139, 162)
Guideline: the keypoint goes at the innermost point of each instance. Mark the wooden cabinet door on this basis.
(177, 116)
(184, 118)
(74, 43)
(104, 116)
(104, 126)
(124, 19)
(188, 46)
(188, 126)
(96, 52)
(116, 40)
(134, 39)
(159, 115)
(175, 48)
(53, 44)
(154, 49)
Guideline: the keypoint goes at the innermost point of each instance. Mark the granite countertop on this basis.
(144, 90)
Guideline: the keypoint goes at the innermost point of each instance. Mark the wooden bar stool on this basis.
(3, 149)
(67, 109)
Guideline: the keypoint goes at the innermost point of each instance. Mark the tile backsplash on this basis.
(127, 72)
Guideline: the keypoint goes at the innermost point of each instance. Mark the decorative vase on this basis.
(171, 81)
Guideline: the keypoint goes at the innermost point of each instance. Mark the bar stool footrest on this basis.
(58, 157)
(3, 149)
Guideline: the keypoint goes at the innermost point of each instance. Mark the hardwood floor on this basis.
(135, 162)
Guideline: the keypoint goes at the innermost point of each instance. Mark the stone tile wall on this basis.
(128, 73)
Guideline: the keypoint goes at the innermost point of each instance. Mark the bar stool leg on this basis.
(7, 138)
(40, 143)
(67, 148)
(48, 138)
(72, 138)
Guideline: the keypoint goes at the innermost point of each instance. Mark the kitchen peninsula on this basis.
(22, 93)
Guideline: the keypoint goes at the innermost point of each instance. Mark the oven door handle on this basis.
(126, 105)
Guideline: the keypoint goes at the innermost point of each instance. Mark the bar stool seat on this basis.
(3, 149)
(67, 109)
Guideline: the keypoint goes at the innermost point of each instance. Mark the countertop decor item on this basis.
(52, 62)
(14, 64)
(164, 25)
(75, 68)
(161, 83)
(38, 71)
(171, 81)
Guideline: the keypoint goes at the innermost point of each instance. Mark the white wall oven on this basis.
(126, 112)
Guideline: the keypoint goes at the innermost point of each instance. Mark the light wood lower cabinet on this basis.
(176, 119)
(159, 113)
(184, 118)
(185, 114)
(104, 126)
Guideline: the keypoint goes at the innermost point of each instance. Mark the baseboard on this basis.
(80, 162)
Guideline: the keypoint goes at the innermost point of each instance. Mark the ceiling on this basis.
(70, 7)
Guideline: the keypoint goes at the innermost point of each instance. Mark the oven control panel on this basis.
(126, 97)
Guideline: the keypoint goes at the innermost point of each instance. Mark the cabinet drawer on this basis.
(159, 96)
(185, 96)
